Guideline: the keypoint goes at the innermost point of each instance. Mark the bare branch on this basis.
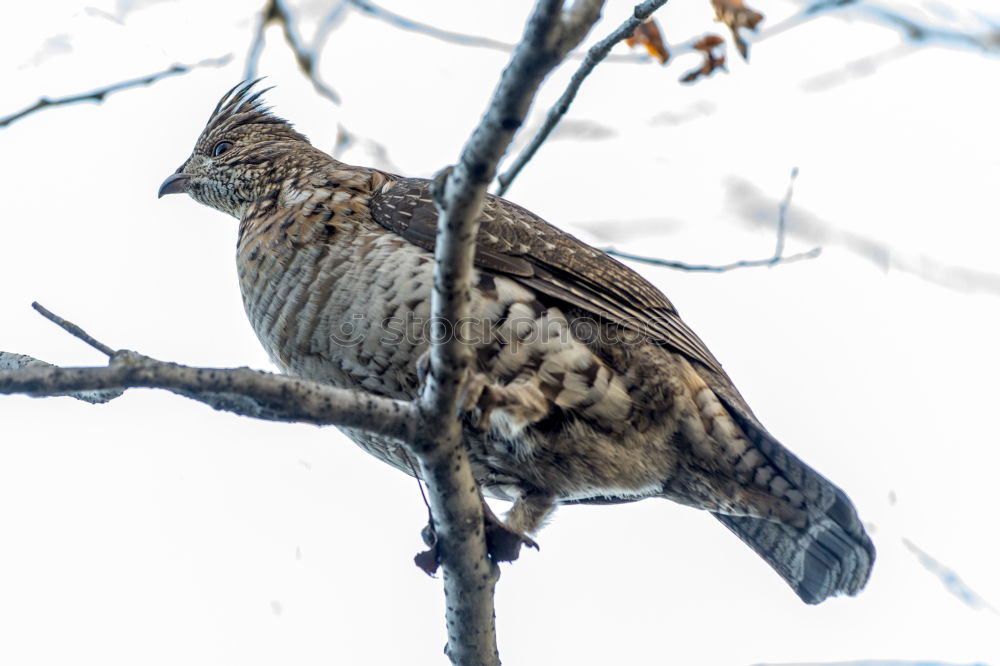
(595, 55)
(461, 38)
(456, 503)
(326, 26)
(716, 268)
(915, 33)
(276, 11)
(408, 24)
(10, 361)
(459, 192)
(254, 393)
(100, 94)
(779, 245)
(777, 258)
(952, 582)
(753, 207)
(73, 329)
(910, 28)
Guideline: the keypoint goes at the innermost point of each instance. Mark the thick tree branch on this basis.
(10, 361)
(254, 393)
(456, 503)
(100, 94)
(594, 56)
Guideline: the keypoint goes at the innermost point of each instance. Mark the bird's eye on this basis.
(221, 147)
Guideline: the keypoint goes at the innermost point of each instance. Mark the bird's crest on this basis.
(242, 105)
(241, 98)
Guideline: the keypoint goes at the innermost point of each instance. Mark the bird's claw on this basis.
(503, 544)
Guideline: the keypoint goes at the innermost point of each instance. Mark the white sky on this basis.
(153, 530)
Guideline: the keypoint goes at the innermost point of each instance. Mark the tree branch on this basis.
(987, 40)
(461, 39)
(594, 56)
(100, 94)
(10, 361)
(914, 34)
(73, 329)
(456, 503)
(253, 393)
(752, 206)
(777, 258)
(276, 11)
(716, 268)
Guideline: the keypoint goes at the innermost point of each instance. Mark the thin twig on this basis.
(420, 487)
(462, 39)
(408, 24)
(276, 11)
(73, 329)
(753, 206)
(988, 40)
(779, 245)
(326, 26)
(777, 258)
(101, 93)
(716, 268)
(594, 56)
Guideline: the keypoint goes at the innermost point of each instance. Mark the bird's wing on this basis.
(517, 242)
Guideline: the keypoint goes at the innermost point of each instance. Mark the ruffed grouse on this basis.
(610, 397)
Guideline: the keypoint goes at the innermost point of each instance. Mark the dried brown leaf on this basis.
(737, 15)
(427, 560)
(648, 34)
(708, 42)
(713, 61)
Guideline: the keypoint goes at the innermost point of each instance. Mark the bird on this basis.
(586, 388)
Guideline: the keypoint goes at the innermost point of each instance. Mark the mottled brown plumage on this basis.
(588, 386)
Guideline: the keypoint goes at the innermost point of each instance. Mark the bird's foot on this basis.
(503, 544)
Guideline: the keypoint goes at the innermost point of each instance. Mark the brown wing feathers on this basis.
(515, 241)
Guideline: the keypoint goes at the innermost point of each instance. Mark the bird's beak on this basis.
(174, 184)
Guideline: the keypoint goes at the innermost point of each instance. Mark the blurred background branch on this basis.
(100, 94)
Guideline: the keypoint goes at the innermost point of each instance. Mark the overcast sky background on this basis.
(153, 530)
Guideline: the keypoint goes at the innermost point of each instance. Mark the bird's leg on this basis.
(529, 513)
(522, 404)
(504, 539)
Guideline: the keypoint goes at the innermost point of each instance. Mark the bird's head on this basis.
(238, 147)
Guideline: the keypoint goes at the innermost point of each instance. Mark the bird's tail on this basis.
(832, 554)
